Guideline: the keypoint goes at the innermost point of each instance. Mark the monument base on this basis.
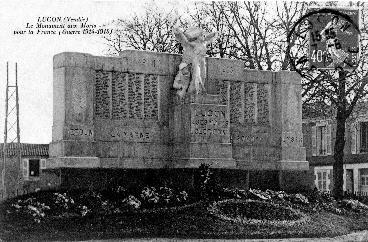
(213, 162)
(183, 178)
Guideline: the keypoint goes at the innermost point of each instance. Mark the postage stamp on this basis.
(325, 39)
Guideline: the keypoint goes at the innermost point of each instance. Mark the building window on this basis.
(364, 180)
(321, 139)
(364, 137)
(359, 137)
(32, 167)
(322, 180)
(363, 173)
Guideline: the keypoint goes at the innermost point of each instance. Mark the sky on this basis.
(34, 53)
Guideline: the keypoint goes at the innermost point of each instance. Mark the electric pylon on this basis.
(11, 144)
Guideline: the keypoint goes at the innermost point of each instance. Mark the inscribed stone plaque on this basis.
(209, 123)
(150, 97)
(250, 92)
(292, 139)
(131, 134)
(262, 104)
(236, 107)
(223, 92)
(250, 135)
(102, 94)
(79, 132)
(135, 95)
(119, 95)
(131, 95)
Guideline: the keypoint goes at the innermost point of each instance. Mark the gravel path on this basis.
(357, 236)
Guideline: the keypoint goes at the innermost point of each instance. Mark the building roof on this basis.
(329, 160)
(26, 149)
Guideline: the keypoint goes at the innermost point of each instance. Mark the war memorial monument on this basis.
(146, 115)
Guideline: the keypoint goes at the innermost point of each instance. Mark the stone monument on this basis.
(121, 113)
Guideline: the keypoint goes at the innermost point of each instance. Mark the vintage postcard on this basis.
(167, 120)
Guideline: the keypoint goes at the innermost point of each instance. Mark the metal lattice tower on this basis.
(11, 127)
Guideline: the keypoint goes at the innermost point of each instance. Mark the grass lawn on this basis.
(190, 222)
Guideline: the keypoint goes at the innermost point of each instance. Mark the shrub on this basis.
(205, 186)
(132, 202)
(298, 198)
(149, 196)
(83, 203)
(322, 201)
(62, 203)
(352, 204)
(233, 193)
(83, 210)
(31, 208)
(115, 193)
(162, 197)
(91, 202)
(166, 195)
(181, 197)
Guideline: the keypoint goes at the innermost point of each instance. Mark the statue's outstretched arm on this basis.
(209, 38)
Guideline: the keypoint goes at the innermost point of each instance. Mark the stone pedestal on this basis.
(201, 132)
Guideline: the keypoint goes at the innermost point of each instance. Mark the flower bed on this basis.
(256, 212)
(40, 206)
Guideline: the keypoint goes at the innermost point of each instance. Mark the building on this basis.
(30, 170)
(319, 140)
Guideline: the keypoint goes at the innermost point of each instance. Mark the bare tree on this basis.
(150, 31)
(246, 31)
(260, 36)
(210, 17)
(287, 15)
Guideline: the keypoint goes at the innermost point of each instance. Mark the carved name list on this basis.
(122, 95)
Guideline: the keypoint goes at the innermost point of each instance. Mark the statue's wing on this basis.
(180, 37)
